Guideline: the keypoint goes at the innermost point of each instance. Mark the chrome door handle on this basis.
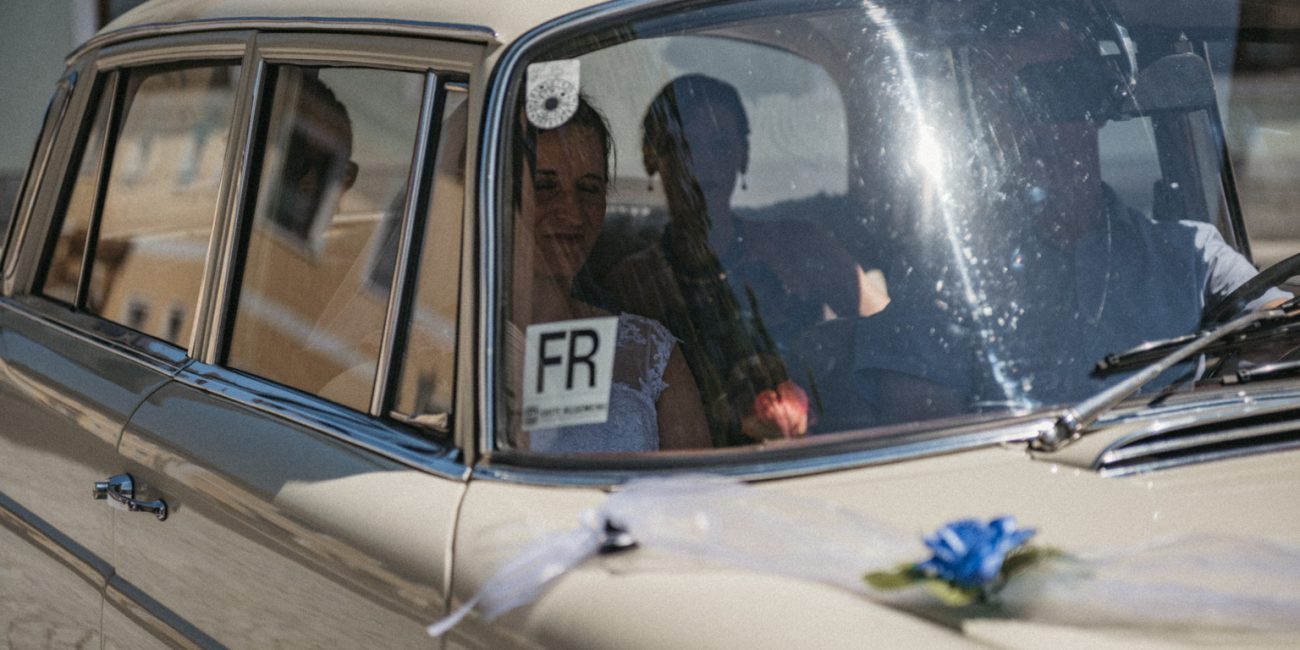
(121, 488)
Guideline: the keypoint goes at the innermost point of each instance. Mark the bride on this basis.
(654, 403)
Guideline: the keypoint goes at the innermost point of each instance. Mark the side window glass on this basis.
(1262, 116)
(139, 261)
(611, 212)
(310, 310)
(424, 389)
(63, 269)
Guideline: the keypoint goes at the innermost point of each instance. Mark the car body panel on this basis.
(49, 595)
(506, 20)
(696, 605)
(72, 397)
(296, 522)
(1219, 500)
(308, 540)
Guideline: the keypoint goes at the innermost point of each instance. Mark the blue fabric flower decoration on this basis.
(969, 553)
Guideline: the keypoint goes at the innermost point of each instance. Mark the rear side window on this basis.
(317, 275)
(137, 221)
(428, 362)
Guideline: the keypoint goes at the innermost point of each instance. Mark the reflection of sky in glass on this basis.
(931, 159)
(798, 141)
(379, 107)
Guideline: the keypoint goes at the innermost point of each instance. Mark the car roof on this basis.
(501, 21)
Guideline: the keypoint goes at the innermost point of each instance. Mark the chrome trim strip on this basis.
(107, 336)
(1208, 402)
(153, 616)
(112, 93)
(228, 248)
(230, 195)
(376, 436)
(1192, 459)
(450, 31)
(229, 46)
(1146, 441)
(1135, 450)
(398, 293)
(47, 538)
(753, 467)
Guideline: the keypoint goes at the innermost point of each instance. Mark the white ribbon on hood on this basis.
(1220, 582)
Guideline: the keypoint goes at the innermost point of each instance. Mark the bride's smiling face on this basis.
(568, 194)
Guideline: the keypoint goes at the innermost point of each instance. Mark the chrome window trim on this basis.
(386, 27)
(220, 270)
(389, 53)
(193, 47)
(230, 196)
(339, 422)
(406, 447)
(97, 332)
(302, 408)
(111, 93)
(264, 51)
(399, 294)
(492, 228)
(752, 466)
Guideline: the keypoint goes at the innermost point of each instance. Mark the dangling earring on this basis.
(744, 185)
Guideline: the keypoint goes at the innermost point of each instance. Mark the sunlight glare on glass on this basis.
(930, 154)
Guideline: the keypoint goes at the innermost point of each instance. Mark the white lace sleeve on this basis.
(646, 345)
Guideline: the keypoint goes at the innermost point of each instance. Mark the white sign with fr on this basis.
(568, 371)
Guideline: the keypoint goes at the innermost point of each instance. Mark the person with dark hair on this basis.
(1076, 273)
(564, 177)
(737, 292)
(317, 165)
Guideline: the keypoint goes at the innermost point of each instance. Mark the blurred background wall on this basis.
(35, 36)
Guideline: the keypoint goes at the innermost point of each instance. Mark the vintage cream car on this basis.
(658, 324)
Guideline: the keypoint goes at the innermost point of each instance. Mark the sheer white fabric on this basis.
(640, 357)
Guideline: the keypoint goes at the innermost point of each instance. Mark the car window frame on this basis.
(832, 452)
(440, 59)
(441, 62)
(99, 80)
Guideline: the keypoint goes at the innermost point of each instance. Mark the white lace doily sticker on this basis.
(552, 92)
(568, 372)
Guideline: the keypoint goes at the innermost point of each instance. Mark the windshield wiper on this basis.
(1266, 371)
(1155, 350)
(1070, 425)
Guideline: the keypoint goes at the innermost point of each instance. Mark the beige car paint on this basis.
(307, 539)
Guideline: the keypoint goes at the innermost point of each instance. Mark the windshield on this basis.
(761, 221)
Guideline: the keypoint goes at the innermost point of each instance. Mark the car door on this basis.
(305, 458)
(74, 366)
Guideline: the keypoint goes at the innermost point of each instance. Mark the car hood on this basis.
(1079, 503)
(1243, 503)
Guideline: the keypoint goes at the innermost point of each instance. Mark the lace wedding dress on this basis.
(640, 357)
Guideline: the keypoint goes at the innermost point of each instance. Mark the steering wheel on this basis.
(1234, 302)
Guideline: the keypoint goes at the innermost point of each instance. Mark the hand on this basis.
(777, 414)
